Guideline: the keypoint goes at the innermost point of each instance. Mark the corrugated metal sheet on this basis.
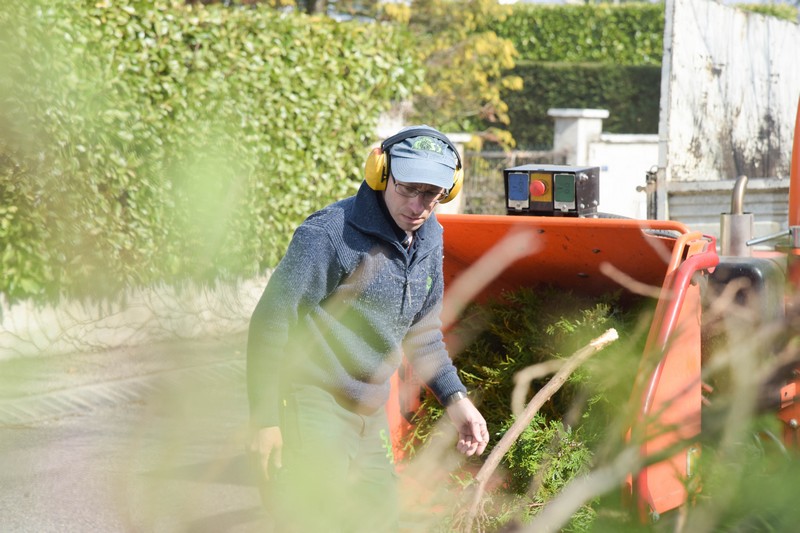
(701, 203)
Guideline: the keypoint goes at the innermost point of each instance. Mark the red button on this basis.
(538, 188)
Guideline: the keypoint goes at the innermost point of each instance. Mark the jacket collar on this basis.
(368, 216)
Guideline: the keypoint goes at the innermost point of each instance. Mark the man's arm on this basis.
(428, 355)
(301, 281)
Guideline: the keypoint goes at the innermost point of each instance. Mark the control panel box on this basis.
(552, 190)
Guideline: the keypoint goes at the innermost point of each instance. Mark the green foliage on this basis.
(781, 11)
(593, 55)
(547, 455)
(527, 327)
(522, 328)
(630, 94)
(467, 66)
(144, 141)
(622, 34)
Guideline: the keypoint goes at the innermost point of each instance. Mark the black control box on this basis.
(552, 190)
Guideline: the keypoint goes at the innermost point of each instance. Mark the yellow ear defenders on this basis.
(376, 172)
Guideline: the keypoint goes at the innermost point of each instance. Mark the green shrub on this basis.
(521, 328)
(145, 141)
(621, 34)
(781, 11)
(593, 55)
(630, 94)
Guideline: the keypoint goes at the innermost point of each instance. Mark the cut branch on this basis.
(519, 425)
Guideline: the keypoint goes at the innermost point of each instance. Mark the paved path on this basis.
(144, 439)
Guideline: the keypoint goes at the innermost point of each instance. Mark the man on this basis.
(360, 287)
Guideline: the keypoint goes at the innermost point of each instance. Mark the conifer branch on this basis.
(519, 425)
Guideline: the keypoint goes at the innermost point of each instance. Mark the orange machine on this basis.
(789, 411)
(568, 244)
(594, 256)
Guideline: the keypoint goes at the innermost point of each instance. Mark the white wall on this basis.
(624, 161)
(136, 317)
(729, 92)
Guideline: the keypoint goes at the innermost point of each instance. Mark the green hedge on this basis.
(629, 93)
(593, 55)
(781, 11)
(624, 34)
(144, 141)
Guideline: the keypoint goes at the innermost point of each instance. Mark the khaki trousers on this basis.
(338, 473)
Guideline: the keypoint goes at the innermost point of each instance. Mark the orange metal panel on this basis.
(794, 175)
(568, 251)
(671, 401)
(674, 411)
(789, 412)
(794, 204)
(398, 425)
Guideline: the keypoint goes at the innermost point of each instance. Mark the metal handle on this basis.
(793, 232)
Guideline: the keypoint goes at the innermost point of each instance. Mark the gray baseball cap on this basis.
(423, 159)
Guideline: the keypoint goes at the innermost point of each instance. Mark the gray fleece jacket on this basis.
(344, 305)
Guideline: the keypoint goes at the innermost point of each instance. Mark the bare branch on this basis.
(519, 425)
(523, 379)
(636, 287)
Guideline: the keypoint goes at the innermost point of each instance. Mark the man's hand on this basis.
(472, 433)
(267, 443)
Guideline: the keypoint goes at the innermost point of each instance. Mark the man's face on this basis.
(408, 212)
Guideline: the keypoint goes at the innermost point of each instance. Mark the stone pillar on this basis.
(574, 130)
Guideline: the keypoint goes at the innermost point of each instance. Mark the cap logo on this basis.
(428, 144)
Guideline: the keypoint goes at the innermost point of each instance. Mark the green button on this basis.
(564, 188)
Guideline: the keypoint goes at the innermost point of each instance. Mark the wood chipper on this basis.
(579, 249)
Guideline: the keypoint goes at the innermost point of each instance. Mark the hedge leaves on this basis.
(145, 141)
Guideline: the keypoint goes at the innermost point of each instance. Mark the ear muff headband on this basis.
(376, 171)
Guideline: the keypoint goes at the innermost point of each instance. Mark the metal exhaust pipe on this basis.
(736, 227)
